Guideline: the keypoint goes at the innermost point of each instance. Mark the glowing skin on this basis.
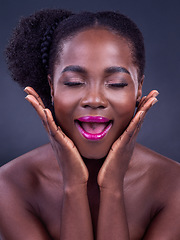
(95, 76)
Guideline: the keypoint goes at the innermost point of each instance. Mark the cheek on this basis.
(123, 107)
(124, 103)
(64, 106)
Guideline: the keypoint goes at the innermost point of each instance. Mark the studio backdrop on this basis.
(20, 128)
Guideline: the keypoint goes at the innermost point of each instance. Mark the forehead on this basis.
(96, 45)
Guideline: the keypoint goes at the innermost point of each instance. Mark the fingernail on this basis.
(25, 90)
(156, 94)
(27, 98)
(155, 101)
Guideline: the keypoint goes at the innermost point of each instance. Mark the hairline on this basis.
(96, 26)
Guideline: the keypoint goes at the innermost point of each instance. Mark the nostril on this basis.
(94, 107)
(94, 102)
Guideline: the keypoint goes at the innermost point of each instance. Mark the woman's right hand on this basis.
(74, 171)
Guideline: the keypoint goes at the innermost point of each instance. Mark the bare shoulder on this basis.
(24, 182)
(155, 176)
(161, 184)
(26, 174)
(159, 166)
(28, 169)
(164, 173)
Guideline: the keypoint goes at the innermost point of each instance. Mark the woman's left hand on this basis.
(111, 174)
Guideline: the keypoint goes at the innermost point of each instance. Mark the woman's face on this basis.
(95, 88)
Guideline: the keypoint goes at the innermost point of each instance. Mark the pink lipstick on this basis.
(93, 127)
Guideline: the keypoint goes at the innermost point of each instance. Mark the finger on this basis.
(147, 106)
(31, 91)
(54, 131)
(153, 93)
(39, 109)
(133, 125)
(57, 136)
(133, 129)
(141, 103)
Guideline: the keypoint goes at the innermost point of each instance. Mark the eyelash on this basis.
(72, 84)
(115, 85)
(118, 85)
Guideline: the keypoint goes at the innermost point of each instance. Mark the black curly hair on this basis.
(37, 41)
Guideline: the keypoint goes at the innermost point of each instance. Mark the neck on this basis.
(93, 192)
(93, 165)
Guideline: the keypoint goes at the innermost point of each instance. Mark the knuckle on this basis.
(44, 122)
(129, 133)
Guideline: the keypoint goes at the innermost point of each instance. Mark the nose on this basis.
(94, 98)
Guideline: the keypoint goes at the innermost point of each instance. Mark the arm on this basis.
(75, 216)
(112, 222)
(76, 219)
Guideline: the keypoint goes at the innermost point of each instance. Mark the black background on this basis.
(20, 128)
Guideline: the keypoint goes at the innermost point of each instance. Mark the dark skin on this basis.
(74, 188)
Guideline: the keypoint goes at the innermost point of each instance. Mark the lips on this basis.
(93, 127)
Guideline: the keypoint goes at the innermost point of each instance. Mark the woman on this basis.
(93, 181)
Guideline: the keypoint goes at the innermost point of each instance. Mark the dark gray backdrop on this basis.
(21, 129)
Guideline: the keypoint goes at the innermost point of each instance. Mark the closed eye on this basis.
(73, 83)
(117, 85)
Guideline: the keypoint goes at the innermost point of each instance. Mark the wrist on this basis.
(75, 189)
(112, 185)
(111, 195)
(114, 190)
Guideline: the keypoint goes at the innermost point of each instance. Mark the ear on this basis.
(139, 93)
(51, 86)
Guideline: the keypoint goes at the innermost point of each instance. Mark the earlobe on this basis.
(51, 87)
(139, 93)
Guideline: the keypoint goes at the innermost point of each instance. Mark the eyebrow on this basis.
(116, 69)
(79, 69)
(74, 68)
